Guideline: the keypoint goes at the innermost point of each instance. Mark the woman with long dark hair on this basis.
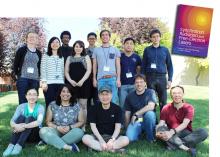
(64, 121)
(52, 70)
(77, 71)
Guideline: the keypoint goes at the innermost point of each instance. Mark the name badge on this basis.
(106, 68)
(129, 75)
(30, 70)
(153, 66)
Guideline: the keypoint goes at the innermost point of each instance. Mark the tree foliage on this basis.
(13, 32)
(138, 28)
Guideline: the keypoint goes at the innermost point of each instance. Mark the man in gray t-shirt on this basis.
(106, 65)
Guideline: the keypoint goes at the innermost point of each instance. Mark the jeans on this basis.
(148, 125)
(51, 93)
(124, 90)
(111, 82)
(53, 137)
(29, 135)
(22, 85)
(159, 84)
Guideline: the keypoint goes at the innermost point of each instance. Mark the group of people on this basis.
(103, 87)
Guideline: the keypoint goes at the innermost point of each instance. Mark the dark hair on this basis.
(91, 34)
(129, 38)
(73, 96)
(177, 86)
(81, 44)
(105, 30)
(49, 49)
(142, 76)
(65, 33)
(30, 88)
(154, 31)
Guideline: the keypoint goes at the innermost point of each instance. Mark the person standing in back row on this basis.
(155, 65)
(92, 38)
(106, 59)
(66, 50)
(27, 66)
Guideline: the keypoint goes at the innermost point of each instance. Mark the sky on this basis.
(79, 27)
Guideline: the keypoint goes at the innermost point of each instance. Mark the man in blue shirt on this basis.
(130, 66)
(140, 111)
(155, 65)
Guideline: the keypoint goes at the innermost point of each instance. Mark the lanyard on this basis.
(106, 56)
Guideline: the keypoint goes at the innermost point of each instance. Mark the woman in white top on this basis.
(52, 70)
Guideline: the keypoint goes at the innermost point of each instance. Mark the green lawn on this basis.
(198, 96)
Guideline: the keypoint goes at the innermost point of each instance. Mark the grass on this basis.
(197, 96)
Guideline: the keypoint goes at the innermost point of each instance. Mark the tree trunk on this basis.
(197, 76)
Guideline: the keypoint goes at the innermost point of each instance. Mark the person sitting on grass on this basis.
(175, 126)
(25, 123)
(105, 120)
(64, 120)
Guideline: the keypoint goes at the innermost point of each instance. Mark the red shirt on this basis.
(174, 117)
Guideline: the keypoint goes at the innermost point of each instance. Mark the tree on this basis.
(13, 32)
(203, 64)
(138, 28)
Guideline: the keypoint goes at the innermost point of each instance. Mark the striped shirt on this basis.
(52, 69)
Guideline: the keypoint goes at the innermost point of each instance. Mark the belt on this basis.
(108, 76)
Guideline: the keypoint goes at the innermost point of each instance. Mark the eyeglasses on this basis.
(91, 38)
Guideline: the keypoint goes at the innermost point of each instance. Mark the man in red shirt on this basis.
(175, 126)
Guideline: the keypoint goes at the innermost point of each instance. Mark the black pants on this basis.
(51, 93)
(28, 135)
(158, 82)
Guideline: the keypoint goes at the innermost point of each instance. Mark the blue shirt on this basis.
(160, 57)
(129, 65)
(134, 102)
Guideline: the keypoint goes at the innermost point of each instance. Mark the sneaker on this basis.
(75, 148)
(41, 143)
(16, 150)
(8, 150)
(192, 151)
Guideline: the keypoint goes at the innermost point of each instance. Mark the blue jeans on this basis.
(22, 85)
(124, 90)
(148, 125)
(111, 82)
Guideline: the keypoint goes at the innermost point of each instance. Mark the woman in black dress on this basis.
(77, 71)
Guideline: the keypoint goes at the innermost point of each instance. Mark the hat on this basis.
(105, 88)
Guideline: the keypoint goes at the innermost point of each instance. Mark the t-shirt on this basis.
(106, 57)
(20, 110)
(64, 115)
(174, 117)
(129, 66)
(29, 68)
(105, 119)
(134, 102)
